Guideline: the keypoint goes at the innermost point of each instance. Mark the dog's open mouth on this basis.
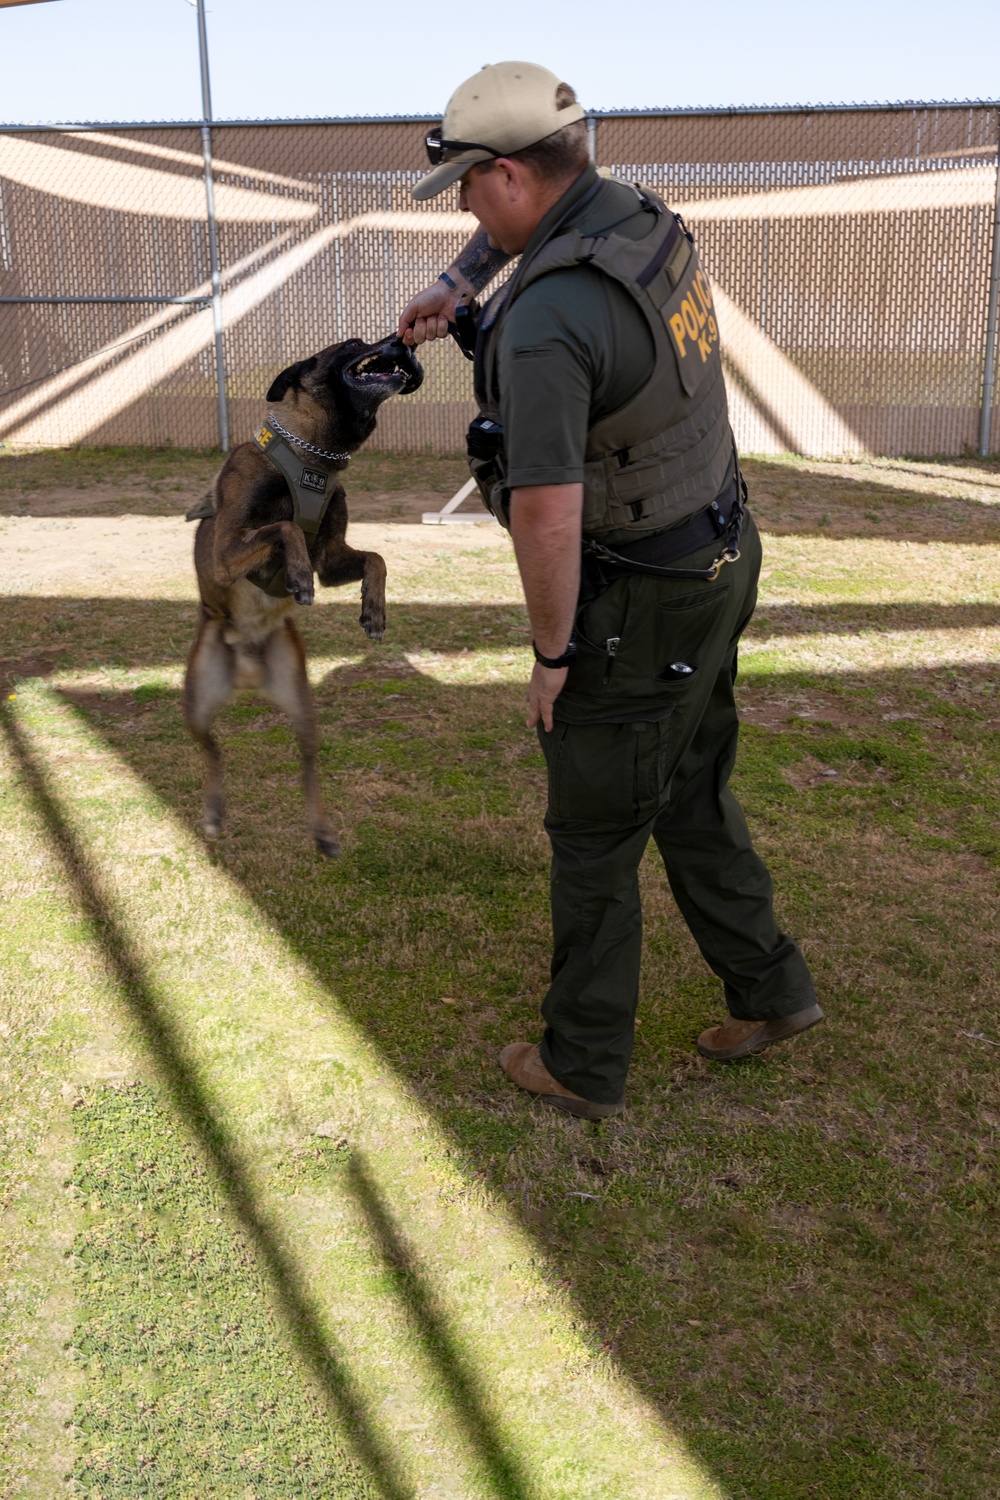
(375, 369)
(387, 370)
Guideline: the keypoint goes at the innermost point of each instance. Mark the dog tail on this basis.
(202, 509)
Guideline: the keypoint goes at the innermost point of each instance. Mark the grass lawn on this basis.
(275, 1225)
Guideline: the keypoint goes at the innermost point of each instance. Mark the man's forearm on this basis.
(475, 265)
(545, 527)
(428, 314)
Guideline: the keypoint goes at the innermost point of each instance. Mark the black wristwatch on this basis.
(555, 661)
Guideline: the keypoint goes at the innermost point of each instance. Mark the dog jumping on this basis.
(277, 515)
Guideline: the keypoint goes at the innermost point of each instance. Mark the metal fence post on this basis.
(989, 364)
(592, 137)
(213, 231)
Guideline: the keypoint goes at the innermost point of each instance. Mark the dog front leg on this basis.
(208, 682)
(286, 684)
(341, 564)
(373, 596)
(238, 553)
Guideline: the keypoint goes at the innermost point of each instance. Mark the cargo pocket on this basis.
(594, 771)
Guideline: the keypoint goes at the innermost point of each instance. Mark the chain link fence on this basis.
(853, 251)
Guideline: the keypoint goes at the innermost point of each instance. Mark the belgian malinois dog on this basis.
(269, 524)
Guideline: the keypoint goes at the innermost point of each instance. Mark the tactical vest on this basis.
(640, 476)
(312, 483)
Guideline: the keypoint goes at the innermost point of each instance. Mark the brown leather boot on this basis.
(742, 1038)
(523, 1066)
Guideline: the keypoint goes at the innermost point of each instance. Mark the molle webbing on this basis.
(640, 475)
(649, 485)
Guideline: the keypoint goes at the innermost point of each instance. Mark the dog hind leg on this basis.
(208, 683)
(286, 685)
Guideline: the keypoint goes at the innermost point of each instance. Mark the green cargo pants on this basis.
(615, 779)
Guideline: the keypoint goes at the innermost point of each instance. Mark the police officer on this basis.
(603, 444)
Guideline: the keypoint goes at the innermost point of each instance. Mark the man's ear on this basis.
(510, 174)
(290, 379)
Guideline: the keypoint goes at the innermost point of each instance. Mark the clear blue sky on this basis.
(136, 59)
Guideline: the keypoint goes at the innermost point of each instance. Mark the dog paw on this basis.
(372, 622)
(372, 618)
(301, 589)
(326, 840)
(213, 811)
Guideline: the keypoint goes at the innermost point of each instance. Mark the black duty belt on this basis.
(653, 555)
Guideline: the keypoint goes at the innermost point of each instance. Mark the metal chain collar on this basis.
(336, 458)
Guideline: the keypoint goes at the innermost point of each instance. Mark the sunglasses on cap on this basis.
(436, 147)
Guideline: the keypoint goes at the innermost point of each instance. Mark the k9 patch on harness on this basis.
(314, 479)
(694, 330)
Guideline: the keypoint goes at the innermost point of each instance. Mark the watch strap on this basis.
(555, 661)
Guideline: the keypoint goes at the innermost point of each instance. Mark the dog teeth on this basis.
(369, 368)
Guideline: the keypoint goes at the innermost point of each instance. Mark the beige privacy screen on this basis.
(849, 251)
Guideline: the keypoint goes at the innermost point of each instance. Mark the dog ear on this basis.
(290, 379)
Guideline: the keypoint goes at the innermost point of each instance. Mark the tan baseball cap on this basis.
(502, 108)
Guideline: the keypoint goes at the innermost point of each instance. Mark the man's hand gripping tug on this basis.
(427, 315)
(545, 524)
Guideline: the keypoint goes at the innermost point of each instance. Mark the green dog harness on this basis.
(311, 483)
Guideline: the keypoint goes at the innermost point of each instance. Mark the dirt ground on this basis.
(165, 482)
(62, 512)
(112, 521)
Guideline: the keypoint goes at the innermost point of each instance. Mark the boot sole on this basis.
(571, 1104)
(586, 1109)
(759, 1041)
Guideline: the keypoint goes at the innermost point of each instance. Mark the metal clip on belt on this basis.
(701, 529)
(730, 555)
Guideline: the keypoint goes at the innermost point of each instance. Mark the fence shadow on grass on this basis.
(414, 1291)
(181, 1078)
(47, 634)
(447, 860)
(441, 857)
(877, 503)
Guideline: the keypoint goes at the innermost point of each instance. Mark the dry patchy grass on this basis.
(793, 1258)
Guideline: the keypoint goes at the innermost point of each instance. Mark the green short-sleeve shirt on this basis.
(574, 346)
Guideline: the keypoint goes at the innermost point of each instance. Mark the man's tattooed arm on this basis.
(476, 265)
(428, 314)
